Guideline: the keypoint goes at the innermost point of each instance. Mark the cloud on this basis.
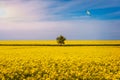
(25, 11)
(72, 29)
(45, 10)
(46, 19)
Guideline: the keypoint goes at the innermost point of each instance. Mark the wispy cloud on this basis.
(33, 10)
(31, 19)
(29, 10)
(73, 29)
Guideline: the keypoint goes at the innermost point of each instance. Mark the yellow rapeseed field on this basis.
(59, 62)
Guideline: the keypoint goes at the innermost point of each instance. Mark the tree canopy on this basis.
(61, 40)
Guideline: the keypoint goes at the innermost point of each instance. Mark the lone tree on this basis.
(60, 40)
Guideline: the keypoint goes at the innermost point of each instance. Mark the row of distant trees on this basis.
(61, 40)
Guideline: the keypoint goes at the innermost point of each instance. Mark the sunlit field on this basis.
(59, 62)
(54, 42)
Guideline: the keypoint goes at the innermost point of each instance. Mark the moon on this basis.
(88, 12)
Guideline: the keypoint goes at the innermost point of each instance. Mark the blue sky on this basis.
(46, 19)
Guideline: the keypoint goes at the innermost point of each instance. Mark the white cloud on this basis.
(35, 19)
(34, 10)
(72, 29)
(25, 11)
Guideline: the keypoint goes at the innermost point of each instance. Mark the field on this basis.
(59, 62)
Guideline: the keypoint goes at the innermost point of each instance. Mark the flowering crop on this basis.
(59, 63)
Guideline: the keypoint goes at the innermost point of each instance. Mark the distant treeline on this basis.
(59, 45)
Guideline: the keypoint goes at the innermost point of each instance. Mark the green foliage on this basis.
(61, 40)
